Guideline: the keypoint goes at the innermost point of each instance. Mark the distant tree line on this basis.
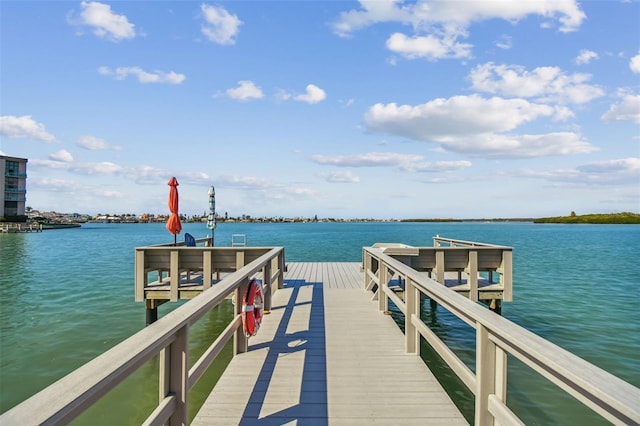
(610, 218)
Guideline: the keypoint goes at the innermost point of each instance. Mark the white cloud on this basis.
(246, 90)
(24, 127)
(542, 83)
(339, 177)
(220, 26)
(370, 159)
(102, 168)
(634, 64)
(631, 165)
(94, 144)
(627, 110)
(440, 119)
(405, 162)
(476, 126)
(586, 56)
(313, 95)
(244, 182)
(104, 22)
(615, 172)
(505, 42)
(437, 25)
(62, 155)
(48, 164)
(429, 47)
(56, 185)
(493, 145)
(122, 73)
(440, 166)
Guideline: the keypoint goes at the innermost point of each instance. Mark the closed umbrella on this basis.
(173, 224)
(211, 219)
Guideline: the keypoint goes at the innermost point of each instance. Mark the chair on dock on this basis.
(189, 240)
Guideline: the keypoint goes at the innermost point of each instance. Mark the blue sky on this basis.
(371, 109)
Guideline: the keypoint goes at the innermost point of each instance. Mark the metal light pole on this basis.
(211, 219)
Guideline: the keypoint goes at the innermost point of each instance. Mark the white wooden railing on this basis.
(612, 398)
(168, 337)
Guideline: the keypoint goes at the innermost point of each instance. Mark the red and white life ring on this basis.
(252, 303)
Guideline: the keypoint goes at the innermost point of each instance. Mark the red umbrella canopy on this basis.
(173, 224)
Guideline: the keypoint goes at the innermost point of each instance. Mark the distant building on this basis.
(13, 186)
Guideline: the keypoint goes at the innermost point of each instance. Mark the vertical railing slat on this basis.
(472, 275)
(207, 269)
(174, 275)
(179, 375)
(141, 276)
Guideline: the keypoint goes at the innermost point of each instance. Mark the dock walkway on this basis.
(325, 355)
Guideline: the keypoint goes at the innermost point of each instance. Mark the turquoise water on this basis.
(67, 296)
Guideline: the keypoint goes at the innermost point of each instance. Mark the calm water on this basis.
(67, 296)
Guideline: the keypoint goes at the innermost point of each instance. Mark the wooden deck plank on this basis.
(326, 356)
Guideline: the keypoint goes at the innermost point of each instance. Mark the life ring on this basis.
(252, 303)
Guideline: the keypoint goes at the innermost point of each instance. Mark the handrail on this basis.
(67, 398)
(602, 392)
(438, 241)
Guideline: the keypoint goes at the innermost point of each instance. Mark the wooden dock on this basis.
(326, 352)
(325, 355)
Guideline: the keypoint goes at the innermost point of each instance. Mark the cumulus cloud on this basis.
(94, 144)
(437, 25)
(246, 90)
(105, 23)
(62, 155)
(477, 126)
(339, 177)
(405, 162)
(628, 109)
(220, 26)
(586, 56)
(121, 73)
(543, 83)
(24, 127)
(313, 95)
(634, 64)
(441, 119)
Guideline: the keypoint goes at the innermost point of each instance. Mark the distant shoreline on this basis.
(595, 219)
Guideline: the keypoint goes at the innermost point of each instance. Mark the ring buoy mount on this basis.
(252, 304)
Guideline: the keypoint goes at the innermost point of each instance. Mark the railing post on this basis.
(240, 340)
(174, 272)
(472, 275)
(507, 275)
(266, 281)
(281, 267)
(366, 267)
(383, 278)
(174, 372)
(440, 266)
(207, 269)
(412, 301)
(239, 260)
(140, 277)
(491, 375)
